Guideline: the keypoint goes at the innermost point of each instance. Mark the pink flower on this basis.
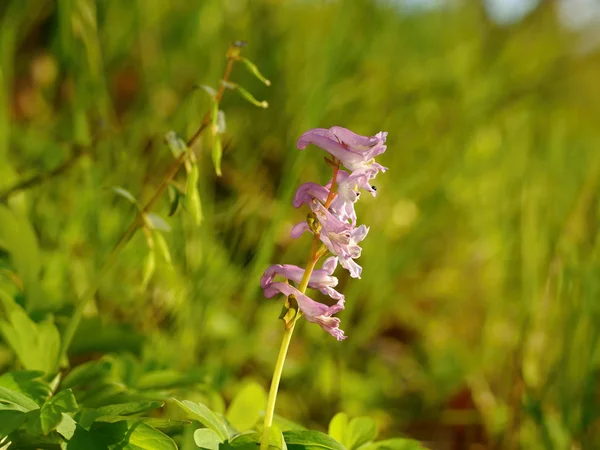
(336, 226)
(353, 150)
(314, 312)
(320, 279)
(341, 238)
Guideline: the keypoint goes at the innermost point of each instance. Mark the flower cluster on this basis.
(333, 221)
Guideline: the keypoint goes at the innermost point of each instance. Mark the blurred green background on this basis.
(475, 324)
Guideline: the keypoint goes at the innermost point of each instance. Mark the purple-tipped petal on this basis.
(313, 311)
(330, 145)
(351, 266)
(320, 279)
(329, 291)
(359, 233)
(356, 141)
(353, 150)
(307, 191)
(299, 229)
(330, 265)
(304, 140)
(331, 325)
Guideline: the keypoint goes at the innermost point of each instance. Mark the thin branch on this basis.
(42, 177)
(138, 221)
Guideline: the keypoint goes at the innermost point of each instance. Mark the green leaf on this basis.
(35, 344)
(286, 424)
(163, 247)
(276, 440)
(18, 238)
(126, 409)
(337, 426)
(167, 379)
(246, 407)
(125, 194)
(148, 270)
(86, 373)
(209, 90)
(169, 424)
(175, 143)
(96, 335)
(314, 440)
(207, 438)
(67, 426)
(254, 70)
(26, 382)
(174, 198)
(103, 394)
(214, 116)
(83, 439)
(10, 420)
(51, 412)
(217, 154)
(360, 431)
(33, 424)
(18, 400)
(29, 441)
(395, 444)
(248, 96)
(205, 416)
(156, 222)
(132, 435)
(221, 123)
(86, 417)
(164, 424)
(249, 440)
(192, 196)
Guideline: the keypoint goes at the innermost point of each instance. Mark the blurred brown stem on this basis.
(42, 177)
(138, 221)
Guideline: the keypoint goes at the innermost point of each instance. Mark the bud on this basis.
(289, 312)
(248, 96)
(217, 153)
(175, 143)
(192, 196)
(254, 70)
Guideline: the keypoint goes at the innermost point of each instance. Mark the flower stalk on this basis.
(332, 222)
(285, 343)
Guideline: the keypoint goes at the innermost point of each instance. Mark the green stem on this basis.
(287, 334)
(285, 343)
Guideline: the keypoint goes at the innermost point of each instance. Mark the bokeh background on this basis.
(475, 324)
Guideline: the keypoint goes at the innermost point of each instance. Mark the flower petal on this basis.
(307, 191)
(313, 311)
(356, 141)
(299, 229)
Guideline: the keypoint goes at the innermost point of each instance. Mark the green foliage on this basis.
(477, 311)
(18, 238)
(205, 416)
(207, 438)
(247, 406)
(354, 433)
(63, 421)
(192, 196)
(310, 440)
(35, 344)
